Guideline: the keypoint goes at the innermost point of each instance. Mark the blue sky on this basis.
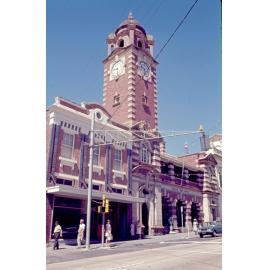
(189, 70)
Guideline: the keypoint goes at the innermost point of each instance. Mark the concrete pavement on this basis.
(166, 252)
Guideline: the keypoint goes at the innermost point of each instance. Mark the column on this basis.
(129, 176)
(158, 206)
(49, 216)
(206, 208)
(135, 206)
(201, 217)
(171, 169)
(188, 215)
(151, 217)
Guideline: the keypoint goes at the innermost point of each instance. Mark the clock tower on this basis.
(130, 88)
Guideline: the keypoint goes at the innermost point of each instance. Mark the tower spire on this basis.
(130, 16)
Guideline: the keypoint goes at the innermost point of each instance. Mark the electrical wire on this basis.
(154, 59)
(176, 29)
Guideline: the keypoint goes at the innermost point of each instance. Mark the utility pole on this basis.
(103, 220)
(89, 195)
(182, 217)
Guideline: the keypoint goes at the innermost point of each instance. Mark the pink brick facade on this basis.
(147, 181)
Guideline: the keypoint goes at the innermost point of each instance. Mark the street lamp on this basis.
(89, 194)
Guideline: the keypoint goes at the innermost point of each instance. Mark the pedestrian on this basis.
(81, 231)
(108, 232)
(57, 233)
(138, 230)
(195, 226)
(132, 231)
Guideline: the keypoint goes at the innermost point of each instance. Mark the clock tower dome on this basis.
(130, 89)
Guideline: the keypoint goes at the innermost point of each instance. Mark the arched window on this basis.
(121, 43)
(112, 47)
(116, 98)
(144, 99)
(139, 44)
(145, 155)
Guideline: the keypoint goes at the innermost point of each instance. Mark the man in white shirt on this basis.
(57, 233)
(80, 233)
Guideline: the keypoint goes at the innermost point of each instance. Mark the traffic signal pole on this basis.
(89, 197)
(103, 221)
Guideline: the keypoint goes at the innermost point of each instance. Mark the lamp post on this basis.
(89, 194)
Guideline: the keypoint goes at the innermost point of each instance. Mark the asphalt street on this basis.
(188, 254)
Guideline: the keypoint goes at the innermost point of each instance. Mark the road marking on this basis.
(209, 252)
(210, 242)
(190, 242)
(128, 265)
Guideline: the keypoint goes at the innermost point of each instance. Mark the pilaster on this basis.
(188, 215)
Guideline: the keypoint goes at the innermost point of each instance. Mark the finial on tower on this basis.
(130, 16)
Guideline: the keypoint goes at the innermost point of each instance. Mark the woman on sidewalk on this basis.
(108, 232)
(57, 233)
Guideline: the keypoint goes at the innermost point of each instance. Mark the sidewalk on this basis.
(148, 240)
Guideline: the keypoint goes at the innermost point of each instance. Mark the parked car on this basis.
(210, 228)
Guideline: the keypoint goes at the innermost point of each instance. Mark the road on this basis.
(203, 254)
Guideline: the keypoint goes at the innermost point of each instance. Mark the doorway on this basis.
(194, 212)
(145, 218)
(179, 214)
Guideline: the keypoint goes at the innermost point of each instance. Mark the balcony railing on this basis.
(178, 181)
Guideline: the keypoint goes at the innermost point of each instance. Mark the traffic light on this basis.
(101, 209)
(106, 206)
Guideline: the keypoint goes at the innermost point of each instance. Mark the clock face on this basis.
(117, 69)
(144, 69)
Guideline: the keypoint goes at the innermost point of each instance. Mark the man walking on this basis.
(57, 233)
(80, 233)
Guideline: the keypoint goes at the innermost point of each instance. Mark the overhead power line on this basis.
(158, 54)
(176, 29)
(174, 134)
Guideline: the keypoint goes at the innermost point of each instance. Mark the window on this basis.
(220, 179)
(117, 190)
(117, 159)
(67, 145)
(164, 168)
(96, 155)
(116, 99)
(96, 187)
(144, 99)
(121, 43)
(145, 154)
(139, 44)
(64, 182)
